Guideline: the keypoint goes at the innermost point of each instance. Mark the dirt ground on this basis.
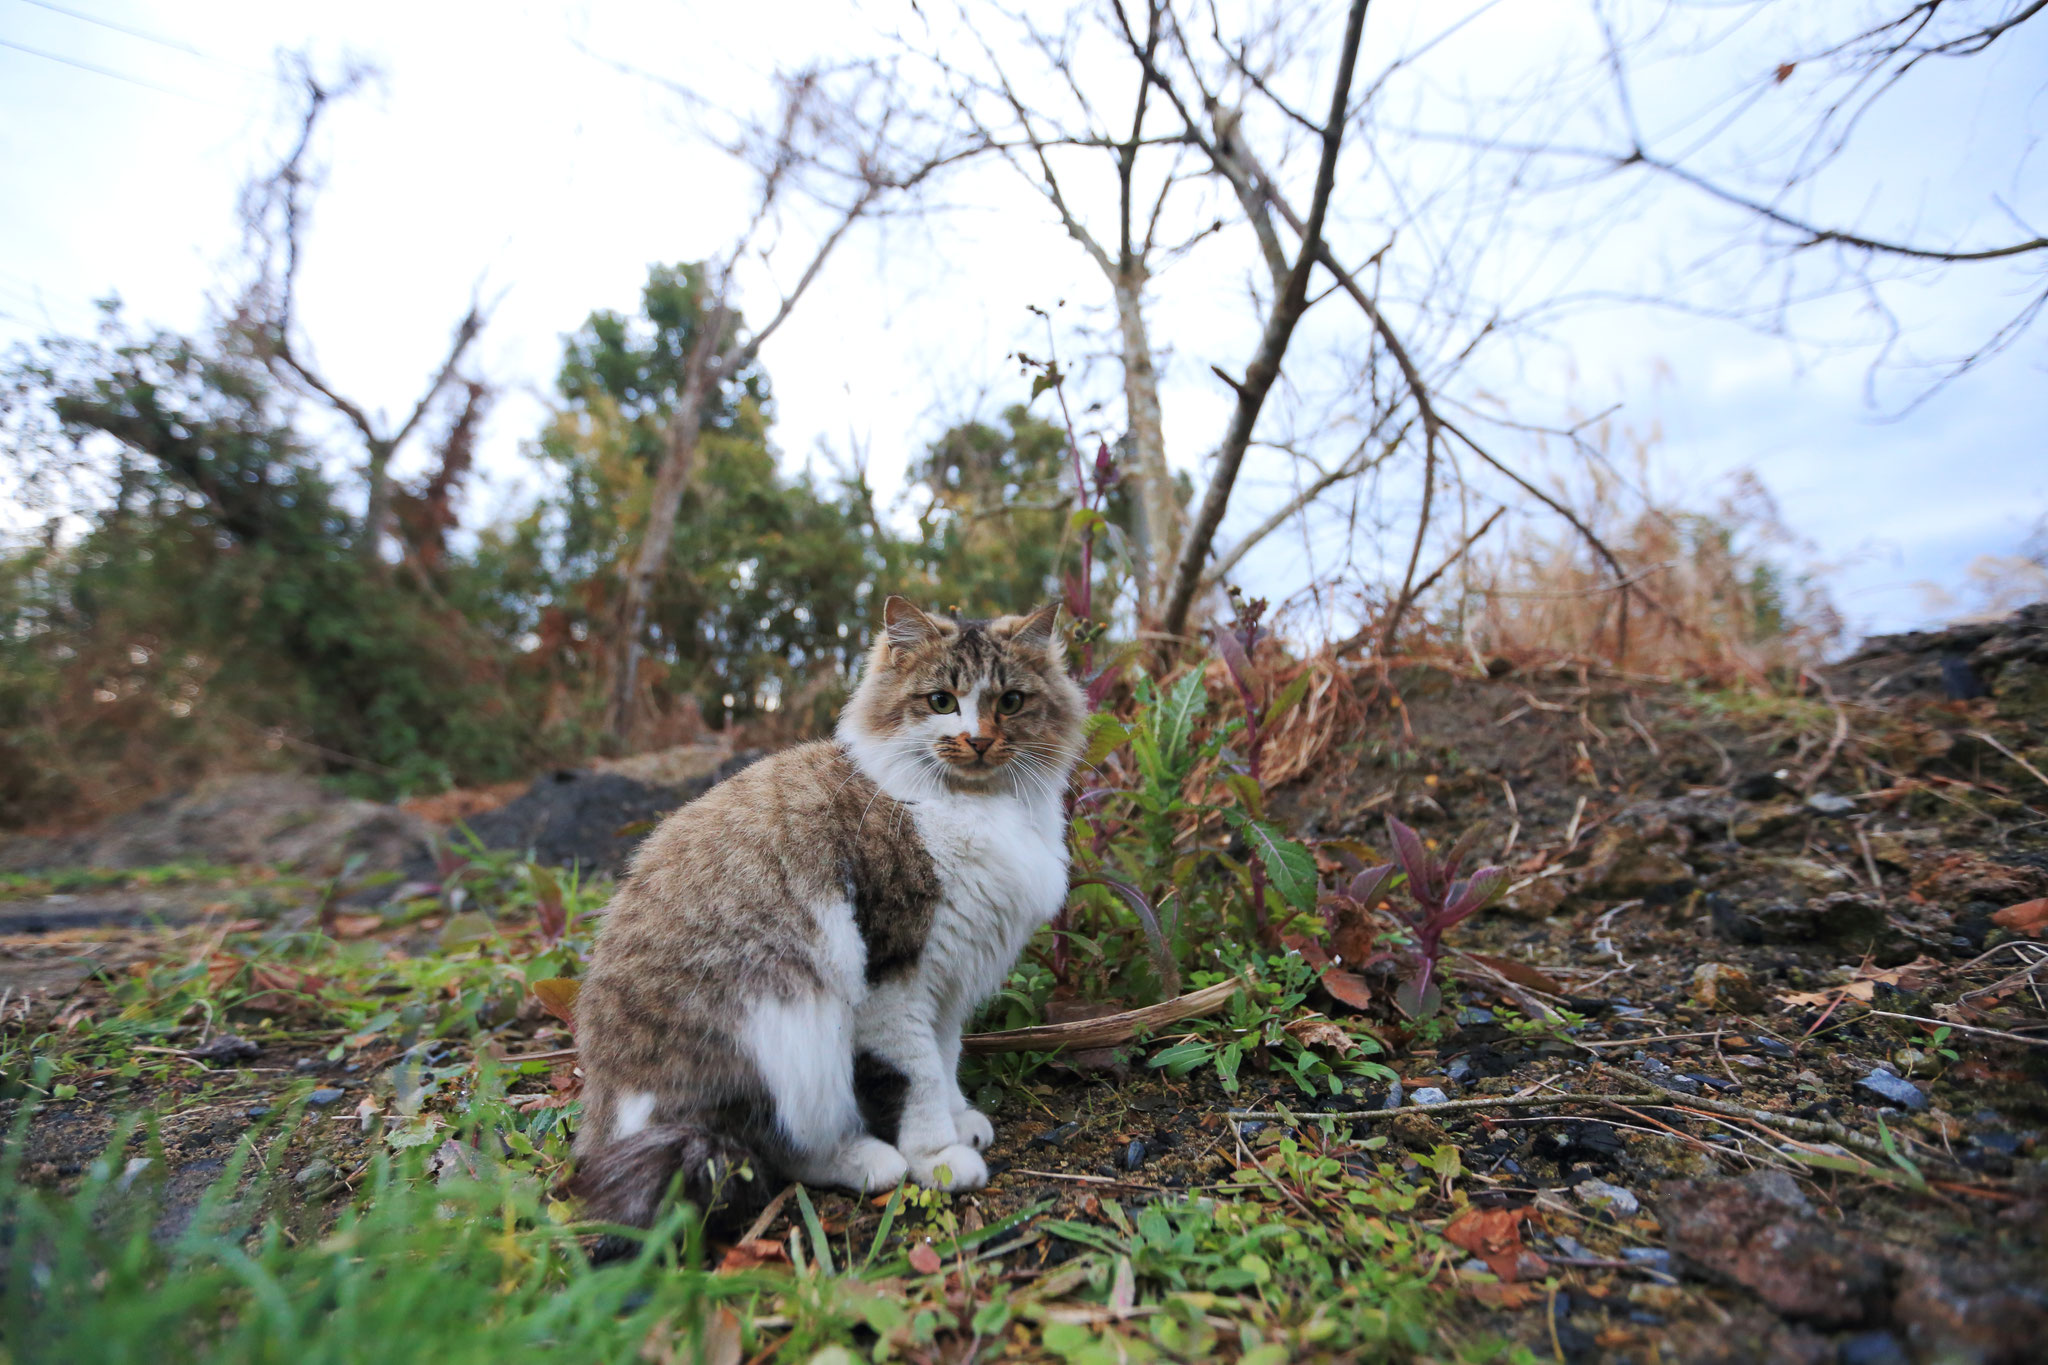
(1753, 912)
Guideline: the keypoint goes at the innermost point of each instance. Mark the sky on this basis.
(505, 154)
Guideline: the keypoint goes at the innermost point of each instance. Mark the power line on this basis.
(101, 71)
(118, 28)
(144, 34)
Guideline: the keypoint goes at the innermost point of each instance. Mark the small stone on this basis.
(1134, 1155)
(1655, 1259)
(1895, 1088)
(1429, 1094)
(226, 1049)
(1415, 1129)
(1475, 1014)
(326, 1094)
(318, 1178)
(1460, 1070)
(1250, 1128)
(1827, 803)
(1612, 1198)
(257, 1111)
(1760, 1233)
(1056, 1137)
(1720, 986)
(1760, 824)
(308, 1064)
(1661, 1298)
(1774, 1048)
(1396, 1096)
(1872, 1348)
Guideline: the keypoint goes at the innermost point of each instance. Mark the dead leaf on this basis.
(557, 995)
(1322, 1033)
(1784, 72)
(1494, 1236)
(2028, 917)
(752, 1255)
(1348, 988)
(357, 926)
(924, 1259)
(1856, 990)
(1504, 1295)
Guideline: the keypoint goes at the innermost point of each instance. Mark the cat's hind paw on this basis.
(974, 1129)
(866, 1164)
(958, 1167)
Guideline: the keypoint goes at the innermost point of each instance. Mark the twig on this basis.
(768, 1215)
(1084, 1034)
(2031, 769)
(1967, 1028)
(1827, 759)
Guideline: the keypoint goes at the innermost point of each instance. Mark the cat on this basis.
(780, 983)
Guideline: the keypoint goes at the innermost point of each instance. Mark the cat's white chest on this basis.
(1002, 867)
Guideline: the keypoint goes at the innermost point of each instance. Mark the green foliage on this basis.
(1275, 988)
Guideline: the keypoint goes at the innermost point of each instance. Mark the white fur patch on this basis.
(804, 1049)
(635, 1111)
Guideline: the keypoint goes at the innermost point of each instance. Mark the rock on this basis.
(257, 1111)
(1654, 1259)
(1955, 1311)
(1413, 1128)
(1872, 1348)
(1396, 1096)
(1719, 986)
(1845, 917)
(1827, 803)
(1893, 1088)
(1624, 864)
(1612, 1198)
(229, 1047)
(1755, 826)
(1760, 1233)
(1134, 1155)
(317, 1178)
(1537, 898)
(325, 1095)
(1429, 1094)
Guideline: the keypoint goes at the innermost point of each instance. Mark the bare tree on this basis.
(275, 212)
(840, 142)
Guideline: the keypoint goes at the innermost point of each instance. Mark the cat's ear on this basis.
(1039, 630)
(906, 626)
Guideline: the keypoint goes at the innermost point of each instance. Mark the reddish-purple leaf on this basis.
(1368, 886)
(1415, 861)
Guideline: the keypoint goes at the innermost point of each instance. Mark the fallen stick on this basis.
(1084, 1034)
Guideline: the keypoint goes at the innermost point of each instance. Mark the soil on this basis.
(1723, 890)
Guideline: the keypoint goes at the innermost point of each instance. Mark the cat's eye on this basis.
(1010, 703)
(945, 703)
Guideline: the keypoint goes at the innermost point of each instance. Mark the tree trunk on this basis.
(1159, 510)
(376, 504)
(664, 502)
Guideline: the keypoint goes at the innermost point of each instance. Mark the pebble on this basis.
(1250, 1128)
(1774, 1048)
(1055, 1137)
(257, 1111)
(1475, 1014)
(1429, 1094)
(308, 1064)
(1649, 1258)
(1134, 1155)
(1827, 803)
(1613, 1198)
(1895, 1088)
(1460, 1070)
(1872, 1348)
(326, 1094)
(1396, 1094)
(229, 1047)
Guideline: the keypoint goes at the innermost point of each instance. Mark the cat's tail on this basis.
(626, 1180)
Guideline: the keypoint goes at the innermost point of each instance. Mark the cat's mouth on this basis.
(967, 762)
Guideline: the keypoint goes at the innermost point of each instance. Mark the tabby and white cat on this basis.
(783, 977)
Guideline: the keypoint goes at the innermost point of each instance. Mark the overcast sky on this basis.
(505, 151)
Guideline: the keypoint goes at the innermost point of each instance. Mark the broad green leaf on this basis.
(1290, 695)
(1177, 714)
(1289, 867)
(1105, 734)
(1086, 519)
(1247, 793)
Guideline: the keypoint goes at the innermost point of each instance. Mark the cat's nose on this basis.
(979, 743)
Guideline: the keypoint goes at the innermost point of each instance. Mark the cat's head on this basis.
(968, 705)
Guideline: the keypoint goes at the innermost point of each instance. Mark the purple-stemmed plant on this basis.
(1442, 901)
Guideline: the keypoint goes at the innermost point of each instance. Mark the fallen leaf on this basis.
(1785, 70)
(557, 995)
(2028, 917)
(924, 1259)
(1494, 1236)
(1322, 1033)
(1311, 951)
(1499, 1294)
(752, 1255)
(357, 926)
(1348, 987)
(1856, 990)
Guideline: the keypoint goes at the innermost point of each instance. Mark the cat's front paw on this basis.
(958, 1167)
(974, 1129)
